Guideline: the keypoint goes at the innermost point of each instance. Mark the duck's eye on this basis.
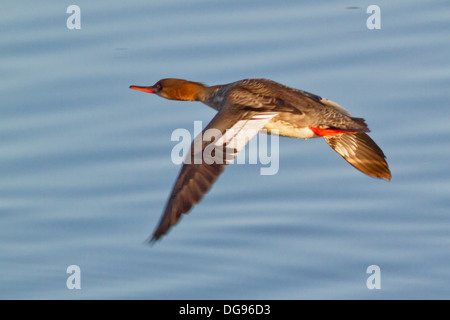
(158, 86)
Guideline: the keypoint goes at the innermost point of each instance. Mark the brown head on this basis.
(175, 89)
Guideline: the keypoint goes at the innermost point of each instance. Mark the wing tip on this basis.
(388, 175)
(159, 232)
(385, 175)
(361, 152)
(151, 240)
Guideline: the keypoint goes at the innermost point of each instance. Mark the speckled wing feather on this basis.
(269, 96)
(361, 152)
(201, 169)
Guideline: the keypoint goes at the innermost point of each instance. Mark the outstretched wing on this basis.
(361, 152)
(220, 141)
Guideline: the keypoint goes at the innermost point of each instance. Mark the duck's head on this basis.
(175, 89)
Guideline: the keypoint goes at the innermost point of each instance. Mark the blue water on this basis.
(85, 167)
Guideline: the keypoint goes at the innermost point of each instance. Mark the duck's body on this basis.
(253, 105)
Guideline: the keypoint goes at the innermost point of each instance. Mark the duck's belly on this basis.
(286, 129)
